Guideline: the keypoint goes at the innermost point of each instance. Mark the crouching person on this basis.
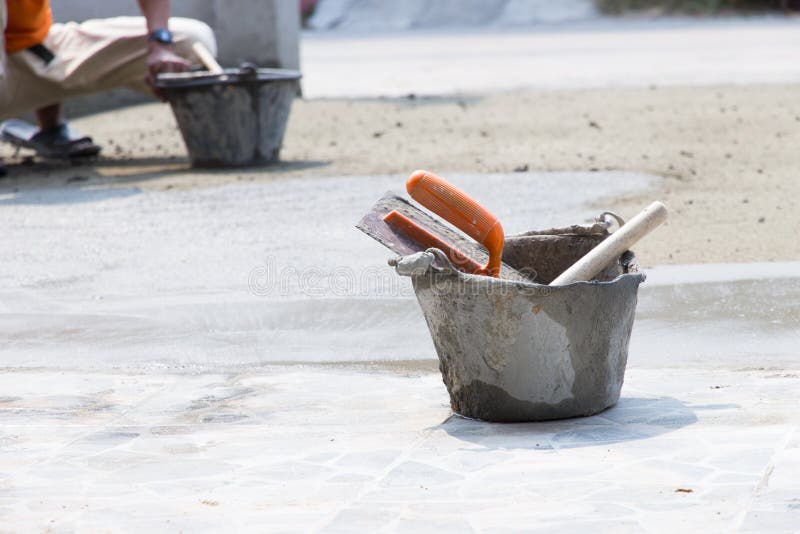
(46, 63)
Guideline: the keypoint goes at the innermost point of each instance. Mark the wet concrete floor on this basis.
(249, 275)
(142, 385)
(242, 274)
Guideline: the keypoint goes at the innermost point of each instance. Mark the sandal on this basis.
(56, 143)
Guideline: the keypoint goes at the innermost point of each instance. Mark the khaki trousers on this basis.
(90, 57)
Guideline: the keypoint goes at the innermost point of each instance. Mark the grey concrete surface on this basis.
(602, 53)
(241, 274)
(140, 389)
(731, 316)
(143, 334)
(246, 275)
(305, 449)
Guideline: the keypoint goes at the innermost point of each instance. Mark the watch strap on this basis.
(160, 35)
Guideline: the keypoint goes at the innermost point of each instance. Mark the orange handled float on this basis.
(456, 207)
(427, 240)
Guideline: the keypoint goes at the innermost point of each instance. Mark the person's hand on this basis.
(161, 59)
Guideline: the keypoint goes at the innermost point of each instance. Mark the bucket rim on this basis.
(638, 277)
(180, 80)
(421, 265)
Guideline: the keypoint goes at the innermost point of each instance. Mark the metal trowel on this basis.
(406, 229)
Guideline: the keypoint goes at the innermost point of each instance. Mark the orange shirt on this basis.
(27, 24)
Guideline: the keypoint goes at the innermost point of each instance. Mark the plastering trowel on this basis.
(406, 229)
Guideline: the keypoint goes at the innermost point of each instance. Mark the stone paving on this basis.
(141, 386)
(296, 448)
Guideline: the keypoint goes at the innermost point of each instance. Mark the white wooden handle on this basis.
(614, 245)
(206, 58)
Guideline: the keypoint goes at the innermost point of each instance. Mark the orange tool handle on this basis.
(455, 206)
(427, 240)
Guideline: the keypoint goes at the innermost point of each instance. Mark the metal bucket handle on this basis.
(606, 215)
(420, 263)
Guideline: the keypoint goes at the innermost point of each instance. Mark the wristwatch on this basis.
(161, 35)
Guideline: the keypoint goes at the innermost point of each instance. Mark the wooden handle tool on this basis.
(614, 245)
(206, 58)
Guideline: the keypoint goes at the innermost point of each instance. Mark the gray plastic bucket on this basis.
(514, 351)
(232, 119)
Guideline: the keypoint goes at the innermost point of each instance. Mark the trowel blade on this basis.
(374, 226)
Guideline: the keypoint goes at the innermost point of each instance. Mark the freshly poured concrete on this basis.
(238, 275)
(140, 388)
(750, 319)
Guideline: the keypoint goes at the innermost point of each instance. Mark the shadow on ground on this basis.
(25, 176)
(631, 419)
(66, 195)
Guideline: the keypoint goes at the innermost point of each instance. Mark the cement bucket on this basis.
(232, 119)
(516, 351)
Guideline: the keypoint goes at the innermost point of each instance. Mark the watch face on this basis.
(161, 36)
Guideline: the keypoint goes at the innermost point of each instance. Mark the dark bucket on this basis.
(237, 118)
(513, 351)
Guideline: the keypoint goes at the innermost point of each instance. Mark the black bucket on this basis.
(235, 118)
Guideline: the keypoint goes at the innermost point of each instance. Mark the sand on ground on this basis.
(729, 155)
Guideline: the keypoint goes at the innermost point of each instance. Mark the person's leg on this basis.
(121, 42)
(2, 70)
(29, 84)
(54, 138)
(49, 117)
(94, 56)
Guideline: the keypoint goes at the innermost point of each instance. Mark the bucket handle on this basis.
(420, 263)
(607, 215)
